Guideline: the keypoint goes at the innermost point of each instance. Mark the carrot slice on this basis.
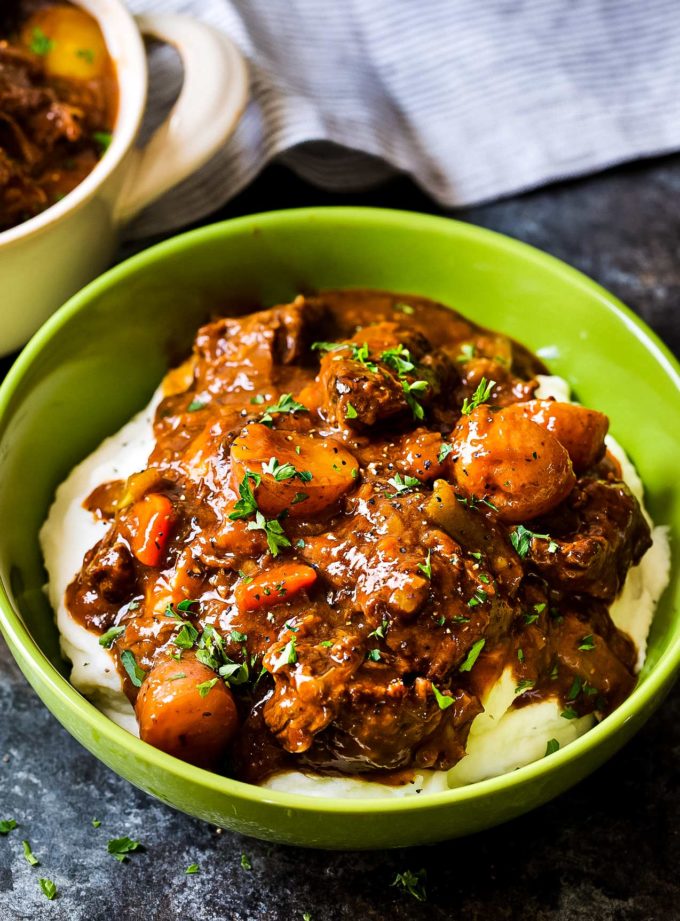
(274, 586)
(152, 519)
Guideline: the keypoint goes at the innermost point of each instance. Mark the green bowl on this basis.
(97, 361)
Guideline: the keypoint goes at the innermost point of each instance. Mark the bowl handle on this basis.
(213, 96)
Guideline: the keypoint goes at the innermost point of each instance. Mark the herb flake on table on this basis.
(28, 854)
(7, 825)
(192, 869)
(48, 888)
(245, 862)
(413, 883)
(119, 848)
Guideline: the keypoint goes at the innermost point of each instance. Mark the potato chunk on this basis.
(298, 473)
(511, 462)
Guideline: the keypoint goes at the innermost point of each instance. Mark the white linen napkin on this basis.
(474, 99)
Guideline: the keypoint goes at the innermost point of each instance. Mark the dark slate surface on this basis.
(607, 850)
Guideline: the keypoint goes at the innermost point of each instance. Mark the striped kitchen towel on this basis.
(474, 99)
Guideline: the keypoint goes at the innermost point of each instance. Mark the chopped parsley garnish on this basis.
(299, 497)
(350, 412)
(285, 404)
(426, 567)
(402, 484)
(443, 700)
(474, 502)
(444, 452)
(404, 308)
(413, 883)
(192, 869)
(177, 677)
(522, 537)
(86, 54)
(587, 643)
(244, 578)
(96, 823)
(409, 391)
(103, 138)
(299, 543)
(48, 888)
(569, 714)
(206, 686)
(135, 673)
(398, 359)
(6, 826)
(276, 538)
(106, 639)
(575, 689)
(247, 504)
(194, 406)
(237, 637)
(329, 346)
(234, 673)
(479, 597)
(524, 685)
(361, 354)
(520, 654)
(481, 395)
(282, 472)
(29, 855)
(121, 847)
(187, 636)
(40, 43)
(472, 656)
(289, 652)
(330, 642)
(467, 352)
(245, 862)
(373, 655)
(381, 630)
(552, 747)
(257, 400)
(530, 618)
(185, 604)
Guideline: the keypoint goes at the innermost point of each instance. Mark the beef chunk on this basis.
(610, 537)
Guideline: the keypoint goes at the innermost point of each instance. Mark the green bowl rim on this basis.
(18, 635)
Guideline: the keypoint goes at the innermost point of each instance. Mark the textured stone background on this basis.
(608, 850)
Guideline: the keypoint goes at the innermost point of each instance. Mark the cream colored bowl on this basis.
(46, 259)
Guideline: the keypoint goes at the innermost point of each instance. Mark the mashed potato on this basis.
(501, 739)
